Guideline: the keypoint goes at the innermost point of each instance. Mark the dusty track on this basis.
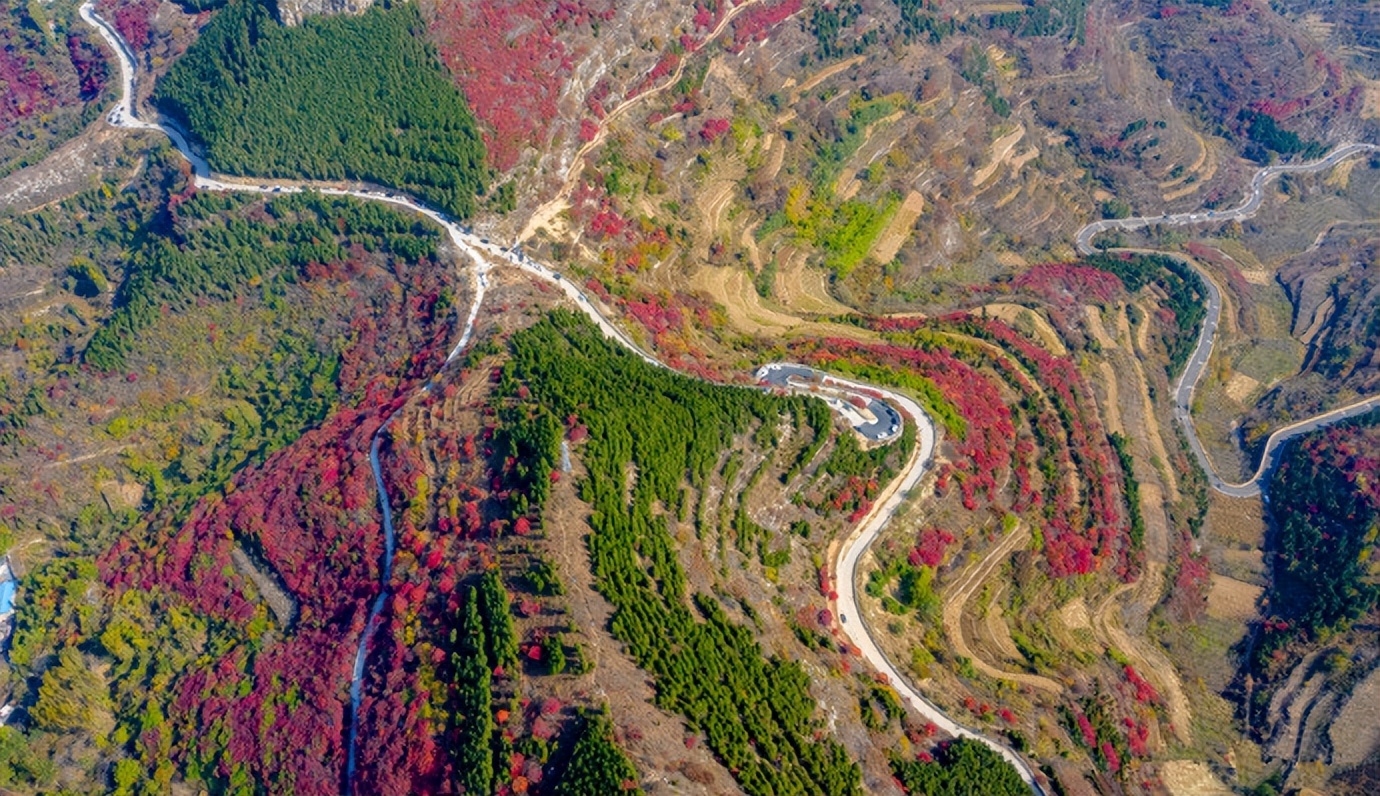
(1150, 661)
(963, 590)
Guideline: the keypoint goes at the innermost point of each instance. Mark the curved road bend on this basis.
(885, 424)
(477, 248)
(1202, 353)
(1254, 196)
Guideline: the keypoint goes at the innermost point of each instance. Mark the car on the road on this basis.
(843, 618)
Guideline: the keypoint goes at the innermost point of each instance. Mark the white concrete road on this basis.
(482, 251)
(1255, 194)
(885, 422)
(1202, 352)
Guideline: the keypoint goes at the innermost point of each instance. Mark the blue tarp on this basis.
(6, 597)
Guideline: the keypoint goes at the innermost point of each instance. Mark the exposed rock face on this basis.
(292, 12)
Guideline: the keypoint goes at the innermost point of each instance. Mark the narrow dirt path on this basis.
(1149, 660)
(966, 585)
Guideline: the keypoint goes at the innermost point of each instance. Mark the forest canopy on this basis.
(962, 767)
(340, 97)
(756, 712)
(1326, 509)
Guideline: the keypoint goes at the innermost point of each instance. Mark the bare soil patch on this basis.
(1240, 521)
(1357, 726)
(897, 231)
(1240, 386)
(1074, 614)
(65, 171)
(1191, 778)
(1232, 599)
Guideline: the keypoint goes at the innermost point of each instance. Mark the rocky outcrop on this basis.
(292, 12)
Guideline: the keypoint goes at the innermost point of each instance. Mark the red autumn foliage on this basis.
(756, 23)
(1067, 284)
(510, 60)
(1104, 532)
(1192, 581)
(1138, 737)
(1145, 692)
(656, 314)
(1081, 531)
(713, 129)
(1085, 728)
(92, 70)
(664, 66)
(310, 513)
(131, 19)
(985, 448)
(708, 13)
(1279, 110)
(1112, 758)
(30, 89)
(930, 548)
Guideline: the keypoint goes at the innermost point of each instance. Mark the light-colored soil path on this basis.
(1149, 660)
(1014, 314)
(1147, 419)
(1001, 150)
(1191, 778)
(964, 587)
(805, 289)
(1112, 409)
(823, 75)
(1099, 332)
(746, 311)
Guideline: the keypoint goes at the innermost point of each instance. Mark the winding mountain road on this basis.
(483, 252)
(1202, 352)
(1255, 195)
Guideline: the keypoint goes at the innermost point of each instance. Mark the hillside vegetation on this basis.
(353, 98)
(1325, 499)
(249, 368)
(50, 78)
(757, 712)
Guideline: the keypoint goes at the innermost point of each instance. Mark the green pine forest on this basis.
(338, 98)
(756, 712)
